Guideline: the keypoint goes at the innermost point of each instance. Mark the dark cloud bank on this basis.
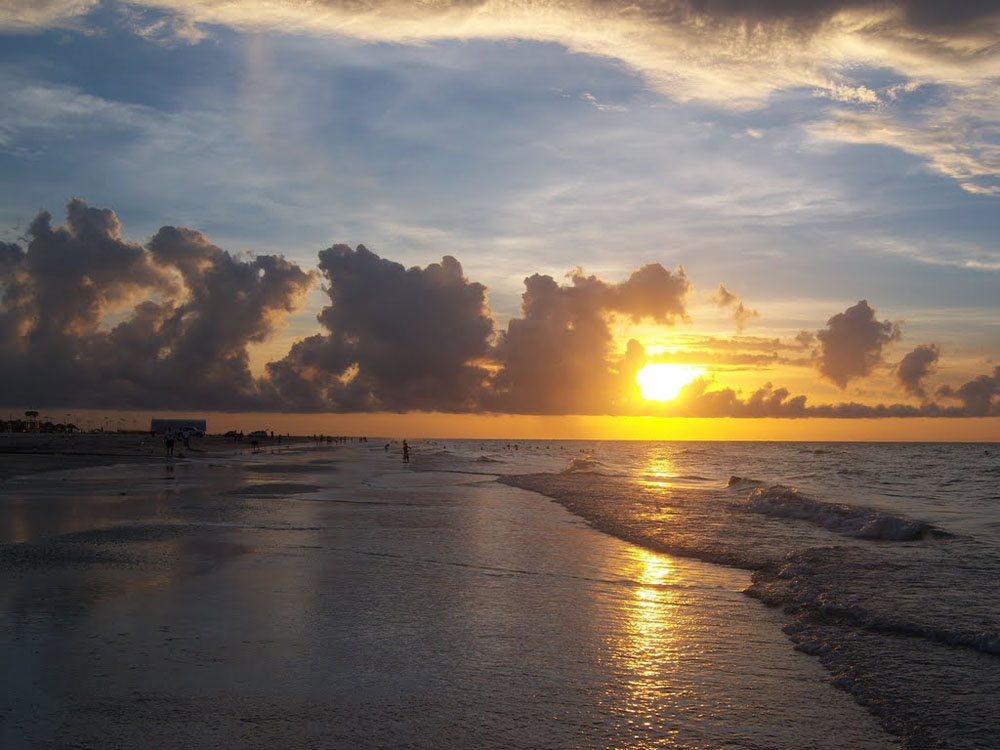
(91, 320)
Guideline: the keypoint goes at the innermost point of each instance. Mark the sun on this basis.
(662, 381)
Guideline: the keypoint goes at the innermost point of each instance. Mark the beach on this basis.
(32, 453)
(330, 596)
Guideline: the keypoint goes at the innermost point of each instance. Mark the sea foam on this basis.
(851, 520)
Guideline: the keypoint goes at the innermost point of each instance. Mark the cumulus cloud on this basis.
(916, 366)
(978, 396)
(90, 319)
(556, 358)
(397, 338)
(740, 312)
(852, 342)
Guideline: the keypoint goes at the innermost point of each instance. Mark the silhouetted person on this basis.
(168, 442)
(386, 447)
(406, 453)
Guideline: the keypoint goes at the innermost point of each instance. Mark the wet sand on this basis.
(161, 604)
(33, 453)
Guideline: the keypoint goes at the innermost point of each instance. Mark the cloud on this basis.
(805, 339)
(697, 399)
(556, 358)
(977, 395)
(90, 319)
(733, 55)
(851, 344)
(398, 339)
(30, 15)
(71, 275)
(740, 313)
(916, 366)
(602, 106)
(957, 139)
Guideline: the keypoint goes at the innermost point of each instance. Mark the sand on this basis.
(150, 605)
(31, 453)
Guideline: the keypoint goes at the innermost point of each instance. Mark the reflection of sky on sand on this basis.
(447, 612)
(652, 635)
(647, 648)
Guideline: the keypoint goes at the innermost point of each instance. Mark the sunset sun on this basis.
(662, 381)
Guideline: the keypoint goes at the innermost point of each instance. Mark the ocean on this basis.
(495, 594)
(883, 557)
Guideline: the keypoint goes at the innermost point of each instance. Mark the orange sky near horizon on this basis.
(581, 427)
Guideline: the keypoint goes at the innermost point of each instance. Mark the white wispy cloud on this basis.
(735, 58)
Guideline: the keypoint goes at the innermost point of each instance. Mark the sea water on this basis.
(883, 557)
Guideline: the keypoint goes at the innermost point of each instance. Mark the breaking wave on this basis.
(851, 520)
(586, 465)
(878, 596)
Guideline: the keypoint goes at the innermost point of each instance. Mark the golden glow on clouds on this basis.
(662, 381)
(734, 61)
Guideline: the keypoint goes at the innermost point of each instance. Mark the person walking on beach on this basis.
(168, 441)
(406, 453)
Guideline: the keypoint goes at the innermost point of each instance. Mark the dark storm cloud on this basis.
(852, 342)
(185, 310)
(397, 338)
(556, 358)
(916, 366)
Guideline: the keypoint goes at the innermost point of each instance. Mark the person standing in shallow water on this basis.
(168, 441)
(406, 453)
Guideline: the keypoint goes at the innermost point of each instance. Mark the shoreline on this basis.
(24, 454)
(354, 607)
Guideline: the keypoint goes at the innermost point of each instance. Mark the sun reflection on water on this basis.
(658, 473)
(650, 644)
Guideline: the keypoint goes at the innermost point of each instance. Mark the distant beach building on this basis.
(197, 427)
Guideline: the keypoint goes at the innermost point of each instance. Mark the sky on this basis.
(473, 217)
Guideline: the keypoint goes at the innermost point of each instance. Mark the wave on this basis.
(881, 599)
(742, 482)
(585, 465)
(836, 586)
(851, 520)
